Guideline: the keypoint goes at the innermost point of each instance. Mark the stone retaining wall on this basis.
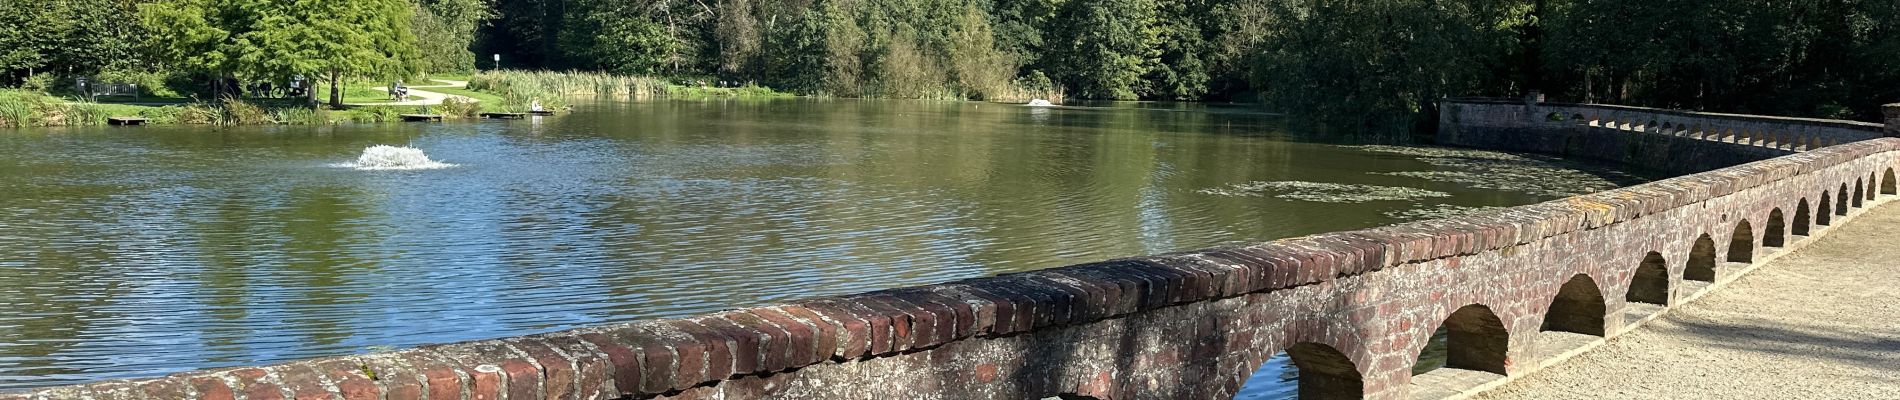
(1675, 141)
(1353, 310)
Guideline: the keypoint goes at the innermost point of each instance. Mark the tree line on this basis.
(1351, 63)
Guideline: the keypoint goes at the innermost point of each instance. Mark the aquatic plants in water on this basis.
(1537, 175)
(1437, 212)
(1324, 192)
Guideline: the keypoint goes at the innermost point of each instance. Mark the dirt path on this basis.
(427, 98)
(1820, 323)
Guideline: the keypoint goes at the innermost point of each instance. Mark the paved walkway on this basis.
(427, 98)
(1820, 323)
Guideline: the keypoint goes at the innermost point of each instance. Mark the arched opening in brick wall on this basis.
(1578, 308)
(1306, 371)
(1887, 185)
(1741, 245)
(1701, 265)
(1871, 181)
(1777, 229)
(1822, 215)
(1474, 339)
(1858, 193)
(1650, 283)
(1801, 218)
(1325, 373)
(1840, 201)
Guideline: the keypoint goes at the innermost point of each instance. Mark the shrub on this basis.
(83, 114)
(459, 107)
(299, 115)
(239, 112)
(38, 83)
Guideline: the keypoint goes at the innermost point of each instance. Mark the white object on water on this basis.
(384, 157)
(1040, 103)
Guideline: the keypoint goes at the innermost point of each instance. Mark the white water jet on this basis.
(1040, 103)
(384, 157)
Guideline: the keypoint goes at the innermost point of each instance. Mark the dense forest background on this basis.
(1372, 62)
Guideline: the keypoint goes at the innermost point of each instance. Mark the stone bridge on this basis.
(1515, 289)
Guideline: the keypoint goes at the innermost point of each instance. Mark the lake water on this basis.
(144, 251)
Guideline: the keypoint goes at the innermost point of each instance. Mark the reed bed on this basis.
(519, 89)
(23, 108)
(546, 85)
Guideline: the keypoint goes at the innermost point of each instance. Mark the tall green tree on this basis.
(445, 32)
(78, 36)
(273, 39)
(1104, 47)
(1381, 65)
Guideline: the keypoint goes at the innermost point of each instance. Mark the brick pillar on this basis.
(1893, 119)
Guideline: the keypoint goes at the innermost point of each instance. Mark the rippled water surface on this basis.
(143, 251)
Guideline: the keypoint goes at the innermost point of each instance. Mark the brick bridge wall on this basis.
(1681, 142)
(1353, 309)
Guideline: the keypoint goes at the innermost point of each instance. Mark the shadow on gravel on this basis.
(1879, 348)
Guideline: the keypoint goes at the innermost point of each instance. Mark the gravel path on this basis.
(1821, 323)
(427, 98)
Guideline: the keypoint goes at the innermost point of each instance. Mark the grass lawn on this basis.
(359, 92)
(125, 110)
(484, 97)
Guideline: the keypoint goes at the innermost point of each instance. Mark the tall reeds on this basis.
(22, 108)
(546, 85)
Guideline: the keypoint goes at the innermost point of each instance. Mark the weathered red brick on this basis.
(746, 356)
(558, 379)
(881, 330)
(688, 352)
(212, 388)
(524, 379)
(252, 382)
(350, 379)
(718, 358)
(628, 372)
(776, 348)
(477, 361)
(854, 334)
(803, 336)
(923, 322)
(594, 371)
(902, 327)
(1015, 312)
(825, 344)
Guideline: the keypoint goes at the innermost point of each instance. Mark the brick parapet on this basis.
(1181, 325)
(1668, 140)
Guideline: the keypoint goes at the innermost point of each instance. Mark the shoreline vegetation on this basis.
(1376, 67)
(487, 91)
